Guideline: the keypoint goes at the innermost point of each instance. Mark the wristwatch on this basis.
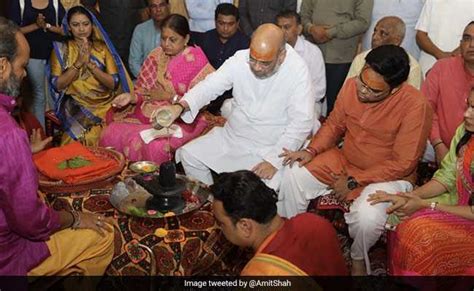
(352, 183)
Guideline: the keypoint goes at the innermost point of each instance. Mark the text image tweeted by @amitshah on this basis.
(240, 283)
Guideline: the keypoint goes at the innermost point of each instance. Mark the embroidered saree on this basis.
(436, 242)
(175, 75)
(82, 106)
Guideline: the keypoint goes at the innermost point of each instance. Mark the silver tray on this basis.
(130, 198)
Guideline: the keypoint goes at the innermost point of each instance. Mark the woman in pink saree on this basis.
(438, 237)
(166, 75)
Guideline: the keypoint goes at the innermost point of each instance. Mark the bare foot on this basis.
(358, 268)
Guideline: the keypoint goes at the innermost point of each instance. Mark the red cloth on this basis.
(309, 242)
(48, 161)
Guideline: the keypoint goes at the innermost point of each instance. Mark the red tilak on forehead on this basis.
(373, 82)
(262, 56)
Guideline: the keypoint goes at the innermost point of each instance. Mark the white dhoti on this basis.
(215, 152)
(366, 222)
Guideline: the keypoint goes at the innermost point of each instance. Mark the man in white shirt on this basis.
(440, 28)
(408, 10)
(272, 109)
(201, 14)
(389, 30)
(290, 22)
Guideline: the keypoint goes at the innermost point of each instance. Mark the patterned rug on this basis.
(193, 244)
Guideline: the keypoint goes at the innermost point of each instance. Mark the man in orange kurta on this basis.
(384, 123)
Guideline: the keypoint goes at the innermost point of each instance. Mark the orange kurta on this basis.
(383, 141)
(306, 245)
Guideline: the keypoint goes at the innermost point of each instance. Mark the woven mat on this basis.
(193, 245)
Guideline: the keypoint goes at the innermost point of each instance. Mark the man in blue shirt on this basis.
(146, 35)
(221, 43)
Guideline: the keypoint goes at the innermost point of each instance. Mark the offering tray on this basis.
(143, 167)
(130, 198)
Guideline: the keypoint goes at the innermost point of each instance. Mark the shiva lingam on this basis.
(166, 189)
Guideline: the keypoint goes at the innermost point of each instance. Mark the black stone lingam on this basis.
(166, 189)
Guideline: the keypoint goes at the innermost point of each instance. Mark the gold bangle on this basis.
(75, 68)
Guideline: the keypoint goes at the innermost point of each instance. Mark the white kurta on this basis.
(267, 115)
(444, 21)
(313, 58)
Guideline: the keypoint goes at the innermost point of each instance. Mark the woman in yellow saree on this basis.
(85, 74)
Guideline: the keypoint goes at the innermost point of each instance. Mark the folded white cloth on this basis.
(148, 135)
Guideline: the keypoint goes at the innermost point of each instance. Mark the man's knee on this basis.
(183, 155)
(107, 240)
(367, 217)
(293, 174)
(100, 245)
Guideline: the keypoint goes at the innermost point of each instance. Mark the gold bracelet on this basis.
(76, 68)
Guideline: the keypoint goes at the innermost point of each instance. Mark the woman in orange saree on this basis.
(166, 75)
(438, 239)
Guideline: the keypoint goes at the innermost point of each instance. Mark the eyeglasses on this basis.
(365, 89)
(265, 65)
(158, 6)
(467, 38)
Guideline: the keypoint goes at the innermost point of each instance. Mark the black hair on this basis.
(244, 195)
(391, 62)
(464, 140)
(289, 14)
(177, 23)
(8, 42)
(79, 10)
(227, 9)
